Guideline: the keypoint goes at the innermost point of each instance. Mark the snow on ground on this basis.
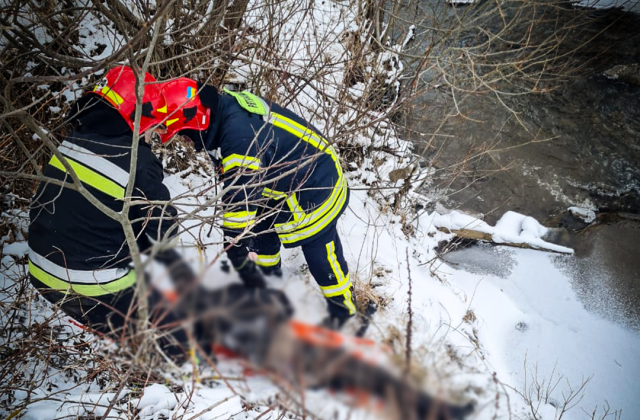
(532, 323)
(472, 331)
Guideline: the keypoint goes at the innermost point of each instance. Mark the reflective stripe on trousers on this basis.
(343, 287)
(324, 257)
(329, 268)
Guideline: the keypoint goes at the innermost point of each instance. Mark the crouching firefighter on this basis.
(283, 181)
(78, 256)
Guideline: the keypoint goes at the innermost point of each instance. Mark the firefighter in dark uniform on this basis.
(78, 256)
(283, 180)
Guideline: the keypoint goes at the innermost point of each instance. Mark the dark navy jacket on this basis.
(67, 231)
(275, 161)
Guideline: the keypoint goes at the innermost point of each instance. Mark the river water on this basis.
(578, 144)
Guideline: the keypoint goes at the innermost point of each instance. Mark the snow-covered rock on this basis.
(586, 215)
(512, 228)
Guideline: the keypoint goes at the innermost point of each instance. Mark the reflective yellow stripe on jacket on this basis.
(92, 169)
(273, 194)
(303, 225)
(83, 282)
(90, 177)
(238, 219)
(306, 225)
(235, 160)
(314, 222)
(83, 289)
(268, 260)
(294, 206)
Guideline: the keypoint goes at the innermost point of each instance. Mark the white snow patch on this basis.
(98, 41)
(156, 399)
(17, 249)
(411, 33)
(37, 137)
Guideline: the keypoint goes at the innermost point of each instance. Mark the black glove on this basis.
(238, 254)
(251, 276)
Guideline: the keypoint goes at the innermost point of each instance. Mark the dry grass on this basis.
(469, 317)
(366, 294)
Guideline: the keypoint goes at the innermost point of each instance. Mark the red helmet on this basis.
(183, 108)
(118, 87)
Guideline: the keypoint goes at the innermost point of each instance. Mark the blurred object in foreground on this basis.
(256, 324)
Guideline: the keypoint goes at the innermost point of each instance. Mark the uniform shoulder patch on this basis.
(250, 102)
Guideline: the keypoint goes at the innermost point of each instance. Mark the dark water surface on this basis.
(538, 154)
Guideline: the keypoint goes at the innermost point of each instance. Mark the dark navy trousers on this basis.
(324, 256)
